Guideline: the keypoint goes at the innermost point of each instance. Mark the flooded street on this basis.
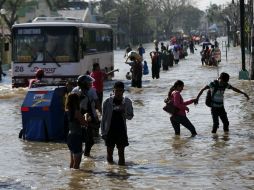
(155, 158)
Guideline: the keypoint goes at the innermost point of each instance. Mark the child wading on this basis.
(115, 110)
(218, 88)
(75, 121)
(180, 116)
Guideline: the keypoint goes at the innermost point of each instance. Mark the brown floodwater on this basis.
(155, 158)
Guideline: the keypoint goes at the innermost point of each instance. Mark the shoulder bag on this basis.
(170, 108)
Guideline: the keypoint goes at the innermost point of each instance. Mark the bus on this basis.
(63, 47)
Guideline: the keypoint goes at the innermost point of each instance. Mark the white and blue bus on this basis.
(63, 47)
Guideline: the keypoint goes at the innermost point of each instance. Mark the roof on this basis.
(213, 27)
(62, 23)
(72, 13)
(82, 14)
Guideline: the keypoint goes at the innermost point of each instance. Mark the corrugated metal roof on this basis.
(84, 15)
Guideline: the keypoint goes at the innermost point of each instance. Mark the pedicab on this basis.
(215, 56)
(210, 54)
(43, 114)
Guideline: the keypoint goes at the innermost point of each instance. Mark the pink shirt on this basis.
(31, 81)
(99, 77)
(176, 97)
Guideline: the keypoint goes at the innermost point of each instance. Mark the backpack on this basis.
(210, 95)
(145, 69)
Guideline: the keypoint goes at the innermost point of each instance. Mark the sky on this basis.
(203, 4)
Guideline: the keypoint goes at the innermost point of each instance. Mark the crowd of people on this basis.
(85, 105)
(83, 120)
(161, 57)
(210, 56)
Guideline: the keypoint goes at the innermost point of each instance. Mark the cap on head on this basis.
(84, 79)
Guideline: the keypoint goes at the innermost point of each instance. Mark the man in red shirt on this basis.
(99, 77)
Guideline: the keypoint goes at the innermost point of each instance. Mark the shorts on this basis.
(120, 140)
(74, 142)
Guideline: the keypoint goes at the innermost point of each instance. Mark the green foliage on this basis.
(57, 4)
(11, 7)
(215, 14)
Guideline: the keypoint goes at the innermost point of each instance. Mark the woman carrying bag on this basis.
(180, 116)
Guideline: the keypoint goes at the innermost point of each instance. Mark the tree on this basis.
(11, 7)
(189, 17)
(57, 4)
(214, 14)
(171, 9)
(129, 16)
(145, 20)
(107, 5)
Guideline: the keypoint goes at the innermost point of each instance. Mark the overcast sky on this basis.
(203, 4)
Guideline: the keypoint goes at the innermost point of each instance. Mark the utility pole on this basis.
(2, 12)
(252, 42)
(228, 30)
(129, 23)
(243, 74)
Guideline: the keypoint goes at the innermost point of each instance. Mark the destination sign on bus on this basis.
(25, 31)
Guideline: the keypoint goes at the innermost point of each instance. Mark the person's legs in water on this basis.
(153, 71)
(175, 124)
(133, 83)
(87, 150)
(215, 116)
(72, 160)
(74, 143)
(224, 119)
(139, 83)
(89, 141)
(121, 160)
(110, 151)
(77, 160)
(186, 123)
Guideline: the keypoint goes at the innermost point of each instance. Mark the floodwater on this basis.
(156, 159)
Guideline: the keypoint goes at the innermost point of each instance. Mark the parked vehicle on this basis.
(63, 47)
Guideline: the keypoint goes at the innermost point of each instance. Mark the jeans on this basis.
(176, 120)
(222, 114)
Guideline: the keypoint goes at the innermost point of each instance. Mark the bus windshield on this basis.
(45, 44)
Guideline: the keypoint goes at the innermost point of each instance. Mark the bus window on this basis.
(28, 48)
(105, 40)
(45, 44)
(98, 40)
(61, 45)
(90, 41)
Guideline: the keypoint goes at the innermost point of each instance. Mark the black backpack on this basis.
(210, 95)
